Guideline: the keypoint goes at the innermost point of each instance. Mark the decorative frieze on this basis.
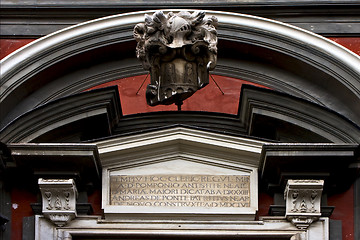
(58, 200)
(303, 200)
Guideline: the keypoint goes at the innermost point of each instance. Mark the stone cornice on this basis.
(179, 142)
(275, 105)
(52, 159)
(62, 112)
(62, 116)
(337, 164)
(322, 17)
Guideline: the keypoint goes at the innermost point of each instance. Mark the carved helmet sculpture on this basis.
(179, 50)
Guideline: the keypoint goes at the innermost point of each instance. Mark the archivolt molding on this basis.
(339, 64)
(85, 32)
(115, 70)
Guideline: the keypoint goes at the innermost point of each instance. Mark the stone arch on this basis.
(277, 55)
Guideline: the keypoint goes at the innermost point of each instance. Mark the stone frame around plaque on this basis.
(186, 205)
(182, 153)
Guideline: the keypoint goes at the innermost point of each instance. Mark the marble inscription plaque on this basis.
(213, 191)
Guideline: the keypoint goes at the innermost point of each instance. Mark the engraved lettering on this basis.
(208, 191)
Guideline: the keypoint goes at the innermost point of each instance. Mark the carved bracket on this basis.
(303, 200)
(58, 200)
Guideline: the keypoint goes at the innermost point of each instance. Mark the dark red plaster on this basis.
(209, 99)
(344, 211)
(265, 200)
(8, 46)
(20, 208)
(351, 43)
(95, 200)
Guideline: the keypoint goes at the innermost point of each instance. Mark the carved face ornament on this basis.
(179, 50)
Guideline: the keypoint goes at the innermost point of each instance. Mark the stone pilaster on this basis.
(303, 200)
(58, 200)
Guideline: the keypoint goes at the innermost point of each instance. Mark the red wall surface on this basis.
(210, 99)
(8, 46)
(344, 211)
(20, 208)
(350, 43)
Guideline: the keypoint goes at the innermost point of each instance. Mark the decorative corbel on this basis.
(303, 200)
(58, 200)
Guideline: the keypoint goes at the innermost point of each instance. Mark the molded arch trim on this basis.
(334, 60)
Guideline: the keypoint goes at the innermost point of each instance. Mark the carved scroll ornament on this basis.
(179, 50)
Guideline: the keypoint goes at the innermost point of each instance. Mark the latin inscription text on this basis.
(180, 190)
